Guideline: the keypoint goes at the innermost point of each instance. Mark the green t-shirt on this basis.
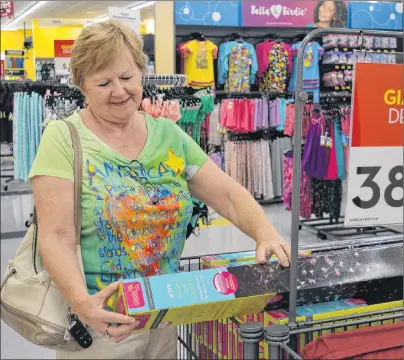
(134, 214)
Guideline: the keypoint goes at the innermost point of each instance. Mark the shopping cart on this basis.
(230, 339)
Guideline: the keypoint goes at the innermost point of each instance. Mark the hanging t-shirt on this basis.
(279, 65)
(237, 66)
(311, 71)
(134, 213)
(198, 63)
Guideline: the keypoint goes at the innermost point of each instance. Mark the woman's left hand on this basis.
(274, 245)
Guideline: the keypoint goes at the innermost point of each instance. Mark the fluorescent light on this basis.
(95, 21)
(143, 5)
(34, 7)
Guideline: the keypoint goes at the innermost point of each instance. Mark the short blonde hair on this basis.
(99, 44)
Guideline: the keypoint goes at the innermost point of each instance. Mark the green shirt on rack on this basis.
(128, 229)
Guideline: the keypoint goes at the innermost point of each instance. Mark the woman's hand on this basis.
(274, 245)
(92, 312)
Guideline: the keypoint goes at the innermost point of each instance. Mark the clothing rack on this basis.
(326, 228)
(148, 79)
(253, 94)
(300, 98)
(164, 79)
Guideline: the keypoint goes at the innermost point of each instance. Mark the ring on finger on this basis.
(107, 334)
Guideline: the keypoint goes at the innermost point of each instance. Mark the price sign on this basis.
(15, 72)
(375, 181)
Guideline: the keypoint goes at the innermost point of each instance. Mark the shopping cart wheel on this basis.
(28, 223)
(5, 188)
(323, 236)
(369, 228)
(300, 227)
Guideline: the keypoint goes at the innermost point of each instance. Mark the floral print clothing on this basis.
(239, 70)
(327, 197)
(237, 66)
(279, 67)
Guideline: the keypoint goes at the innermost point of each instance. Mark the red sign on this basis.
(375, 181)
(63, 48)
(7, 9)
(378, 110)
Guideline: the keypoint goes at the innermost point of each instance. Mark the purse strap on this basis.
(78, 178)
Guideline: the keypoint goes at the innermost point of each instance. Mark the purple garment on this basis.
(261, 115)
(217, 159)
(256, 114)
(315, 161)
(309, 154)
(265, 124)
(274, 116)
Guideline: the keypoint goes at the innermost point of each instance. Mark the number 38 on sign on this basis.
(375, 180)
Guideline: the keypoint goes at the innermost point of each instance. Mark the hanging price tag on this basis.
(375, 181)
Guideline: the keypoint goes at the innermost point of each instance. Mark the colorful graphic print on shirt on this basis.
(201, 58)
(277, 73)
(239, 69)
(140, 217)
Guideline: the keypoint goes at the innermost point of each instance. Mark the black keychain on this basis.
(79, 332)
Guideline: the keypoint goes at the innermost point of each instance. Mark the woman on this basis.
(330, 14)
(138, 178)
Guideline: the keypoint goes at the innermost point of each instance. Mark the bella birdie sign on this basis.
(281, 13)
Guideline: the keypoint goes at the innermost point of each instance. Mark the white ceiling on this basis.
(77, 10)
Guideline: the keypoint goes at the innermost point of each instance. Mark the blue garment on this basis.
(28, 116)
(339, 150)
(311, 70)
(282, 113)
(225, 50)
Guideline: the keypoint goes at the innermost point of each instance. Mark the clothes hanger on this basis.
(197, 36)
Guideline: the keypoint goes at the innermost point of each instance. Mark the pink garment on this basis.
(237, 115)
(306, 200)
(251, 108)
(249, 163)
(156, 108)
(182, 53)
(307, 110)
(227, 114)
(332, 172)
(290, 120)
(262, 51)
(206, 124)
(345, 124)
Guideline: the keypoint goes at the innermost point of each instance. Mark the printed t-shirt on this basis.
(198, 63)
(128, 229)
(311, 71)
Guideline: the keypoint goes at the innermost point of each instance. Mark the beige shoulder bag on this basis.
(30, 302)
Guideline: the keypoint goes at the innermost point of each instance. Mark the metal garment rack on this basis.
(165, 80)
(334, 229)
(300, 98)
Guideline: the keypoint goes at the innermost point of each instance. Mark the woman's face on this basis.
(115, 92)
(326, 12)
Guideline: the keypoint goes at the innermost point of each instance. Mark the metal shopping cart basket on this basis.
(248, 338)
